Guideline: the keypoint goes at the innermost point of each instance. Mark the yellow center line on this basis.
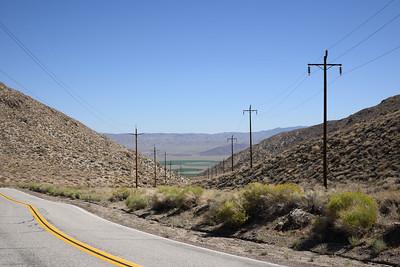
(117, 261)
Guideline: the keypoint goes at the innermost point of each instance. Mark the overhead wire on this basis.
(347, 35)
(83, 103)
(368, 37)
(318, 92)
(21, 85)
(347, 51)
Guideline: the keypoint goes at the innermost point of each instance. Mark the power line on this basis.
(372, 60)
(334, 45)
(51, 74)
(21, 85)
(368, 37)
(360, 25)
(318, 92)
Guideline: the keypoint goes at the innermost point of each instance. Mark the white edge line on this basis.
(153, 235)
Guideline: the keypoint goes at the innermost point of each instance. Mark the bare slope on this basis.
(38, 143)
(363, 147)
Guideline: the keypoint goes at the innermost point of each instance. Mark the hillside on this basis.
(363, 147)
(194, 145)
(38, 143)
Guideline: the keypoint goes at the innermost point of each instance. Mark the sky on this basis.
(193, 66)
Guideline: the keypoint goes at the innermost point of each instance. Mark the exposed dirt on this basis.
(258, 242)
(39, 143)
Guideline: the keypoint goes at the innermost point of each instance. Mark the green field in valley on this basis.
(190, 167)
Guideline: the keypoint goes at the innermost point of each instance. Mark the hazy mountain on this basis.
(187, 145)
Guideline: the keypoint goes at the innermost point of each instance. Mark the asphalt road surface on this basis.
(25, 242)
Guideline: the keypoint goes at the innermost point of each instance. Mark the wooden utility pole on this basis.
(223, 165)
(136, 134)
(325, 66)
(165, 167)
(155, 166)
(251, 134)
(232, 139)
(170, 169)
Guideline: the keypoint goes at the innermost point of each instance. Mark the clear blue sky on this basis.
(192, 66)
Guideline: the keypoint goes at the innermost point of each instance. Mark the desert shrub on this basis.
(266, 200)
(354, 212)
(119, 194)
(230, 212)
(315, 202)
(170, 197)
(90, 197)
(378, 245)
(137, 200)
(354, 241)
(31, 186)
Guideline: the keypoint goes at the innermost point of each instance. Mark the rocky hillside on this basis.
(364, 147)
(38, 143)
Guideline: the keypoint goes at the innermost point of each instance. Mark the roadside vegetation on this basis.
(85, 194)
(356, 220)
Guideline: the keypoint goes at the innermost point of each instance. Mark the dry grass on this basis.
(83, 193)
(170, 197)
(120, 194)
(269, 200)
(137, 199)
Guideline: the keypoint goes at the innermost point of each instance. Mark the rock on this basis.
(296, 219)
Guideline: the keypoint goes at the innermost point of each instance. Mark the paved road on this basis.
(24, 242)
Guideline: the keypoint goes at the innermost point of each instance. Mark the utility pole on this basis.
(251, 135)
(170, 169)
(232, 139)
(223, 165)
(155, 166)
(325, 67)
(165, 167)
(136, 134)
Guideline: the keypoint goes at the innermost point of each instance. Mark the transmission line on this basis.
(51, 74)
(360, 25)
(21, 85)
(368, 37)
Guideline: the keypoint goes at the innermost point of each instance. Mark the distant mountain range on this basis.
(194, 145)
